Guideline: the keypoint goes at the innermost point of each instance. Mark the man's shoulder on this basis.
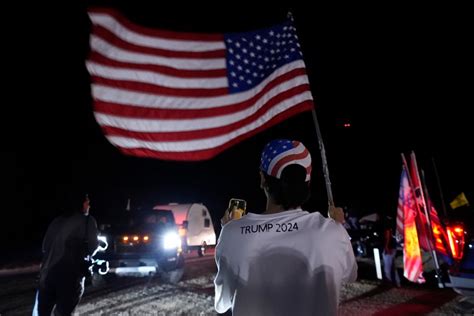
(232, 225)
(92, 218)
(325, 225)
(316, 218)
(79, 219)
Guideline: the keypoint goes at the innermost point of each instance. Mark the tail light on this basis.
(439, 237)
(456, 240)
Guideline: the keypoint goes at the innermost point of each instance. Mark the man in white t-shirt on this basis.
(284, 261)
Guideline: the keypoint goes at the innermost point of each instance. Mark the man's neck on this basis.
(273, 208)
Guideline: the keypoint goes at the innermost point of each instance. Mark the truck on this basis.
(460, 234)
(142, 242)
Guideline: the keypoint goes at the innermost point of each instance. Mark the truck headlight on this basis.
(171, 240)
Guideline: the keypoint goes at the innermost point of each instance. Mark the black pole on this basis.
(323, 159)
(443, 204)
(428, 205)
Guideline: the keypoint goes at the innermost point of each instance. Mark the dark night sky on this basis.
(399, 74)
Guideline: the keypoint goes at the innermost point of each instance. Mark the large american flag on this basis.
(184, 96)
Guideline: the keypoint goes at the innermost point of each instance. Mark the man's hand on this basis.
(337, 214)
(226, 218)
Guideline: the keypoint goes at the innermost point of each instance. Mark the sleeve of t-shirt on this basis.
(223, 283)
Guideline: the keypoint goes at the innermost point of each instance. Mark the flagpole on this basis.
(321, 146)
(423, 184)
(323, 159)
(443, 204)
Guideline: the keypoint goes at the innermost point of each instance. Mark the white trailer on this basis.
(195, 220)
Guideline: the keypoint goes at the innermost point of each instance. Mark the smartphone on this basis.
(237, 208)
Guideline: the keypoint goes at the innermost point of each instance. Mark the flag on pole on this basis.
(412, 263)
(459, 201)
(421, 221)
(184, 96)
(439, 234)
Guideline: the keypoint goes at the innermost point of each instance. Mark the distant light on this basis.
(347, 125)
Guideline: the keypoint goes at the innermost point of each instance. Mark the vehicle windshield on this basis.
(154, 218)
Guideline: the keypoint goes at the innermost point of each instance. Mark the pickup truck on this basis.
(142, 242)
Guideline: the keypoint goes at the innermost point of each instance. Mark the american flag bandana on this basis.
(280, 153)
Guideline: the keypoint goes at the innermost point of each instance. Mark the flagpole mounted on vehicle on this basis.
(433, 251)
(443, 204)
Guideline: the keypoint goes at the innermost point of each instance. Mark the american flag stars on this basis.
(252, 56)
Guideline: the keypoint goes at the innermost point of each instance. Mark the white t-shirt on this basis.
(287, 263)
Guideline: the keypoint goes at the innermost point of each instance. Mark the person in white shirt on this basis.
(285, 261)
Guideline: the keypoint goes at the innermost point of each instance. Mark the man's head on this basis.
(76, 201)
(286, 171)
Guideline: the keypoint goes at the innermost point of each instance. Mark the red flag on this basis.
(412, 263)
(183, 96)
(421, 220)
(439, 234)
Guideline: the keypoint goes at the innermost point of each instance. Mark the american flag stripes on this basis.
(183, 96)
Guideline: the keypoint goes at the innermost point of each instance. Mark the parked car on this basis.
(460, 233)
(366, 235)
